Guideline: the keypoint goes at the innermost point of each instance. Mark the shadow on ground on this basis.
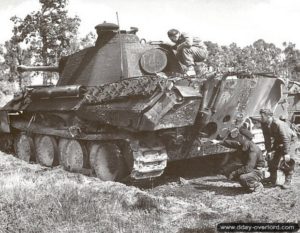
(218, 190)
(194, 168)
(202, 174)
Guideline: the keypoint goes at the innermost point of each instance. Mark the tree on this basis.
(266, 56)
(13, 55)
(258, 57)
(292, 56)
(81, 43)
(88, 40)
(48, 33)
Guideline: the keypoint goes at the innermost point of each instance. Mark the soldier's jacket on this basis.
(278, 135)
(252, 156)
(187, 41)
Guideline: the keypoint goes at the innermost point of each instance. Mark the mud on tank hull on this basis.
(112, 131)
(83, 128)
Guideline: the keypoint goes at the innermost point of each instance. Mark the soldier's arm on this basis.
(284, 135)
(187, 43)
(267, 138)
(231, 144)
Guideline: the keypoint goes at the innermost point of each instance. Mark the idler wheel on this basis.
(107, 162)
(24, 147)
(46, 150)
(73, 156)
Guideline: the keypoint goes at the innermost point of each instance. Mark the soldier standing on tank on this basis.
(278, 138)
(250, 173)
(188, 49)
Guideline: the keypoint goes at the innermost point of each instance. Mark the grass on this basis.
(38, 199)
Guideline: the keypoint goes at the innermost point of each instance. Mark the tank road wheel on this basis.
(24, 147)
(61, 146)
(74, 155)
(46, 150)
(107, 162)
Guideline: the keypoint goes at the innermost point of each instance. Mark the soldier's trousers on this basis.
(274, 165)
(188, 56)
(249, 180)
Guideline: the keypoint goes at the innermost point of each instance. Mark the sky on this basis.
(219, 21)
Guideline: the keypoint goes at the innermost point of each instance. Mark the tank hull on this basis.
(160, 120)
(124, 108)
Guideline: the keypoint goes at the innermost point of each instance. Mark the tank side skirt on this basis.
(65, 133)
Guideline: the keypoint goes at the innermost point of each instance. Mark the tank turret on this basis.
(127, 57)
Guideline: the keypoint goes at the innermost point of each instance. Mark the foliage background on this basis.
(42, 37)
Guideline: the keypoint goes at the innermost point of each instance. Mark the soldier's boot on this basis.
(271, 181)
(288, 170)
(258, 187)
(288, 182)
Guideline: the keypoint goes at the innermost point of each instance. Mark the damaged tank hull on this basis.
(146, 129)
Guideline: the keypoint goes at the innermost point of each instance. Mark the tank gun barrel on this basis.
(23, 68)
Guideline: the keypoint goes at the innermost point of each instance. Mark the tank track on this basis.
(141, 86)
(149, 162)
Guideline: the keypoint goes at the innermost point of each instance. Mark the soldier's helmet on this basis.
(173, 32)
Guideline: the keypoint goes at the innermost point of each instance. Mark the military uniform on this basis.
(190, 50)
(278, 137)
(250, 174)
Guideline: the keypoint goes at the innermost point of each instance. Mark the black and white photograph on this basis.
(135, 116)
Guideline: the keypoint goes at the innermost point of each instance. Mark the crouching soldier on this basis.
(250, 174)
(278, 137)
(189, 50)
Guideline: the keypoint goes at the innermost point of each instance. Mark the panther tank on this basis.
(125, 108)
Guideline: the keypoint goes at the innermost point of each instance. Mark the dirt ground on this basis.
(189, 197)
(227, 201)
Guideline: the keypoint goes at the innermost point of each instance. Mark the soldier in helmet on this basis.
(250, 173)
(188, 49)
(278, 137)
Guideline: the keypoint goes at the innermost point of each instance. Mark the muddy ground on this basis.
(227, 200)
(189, 197)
